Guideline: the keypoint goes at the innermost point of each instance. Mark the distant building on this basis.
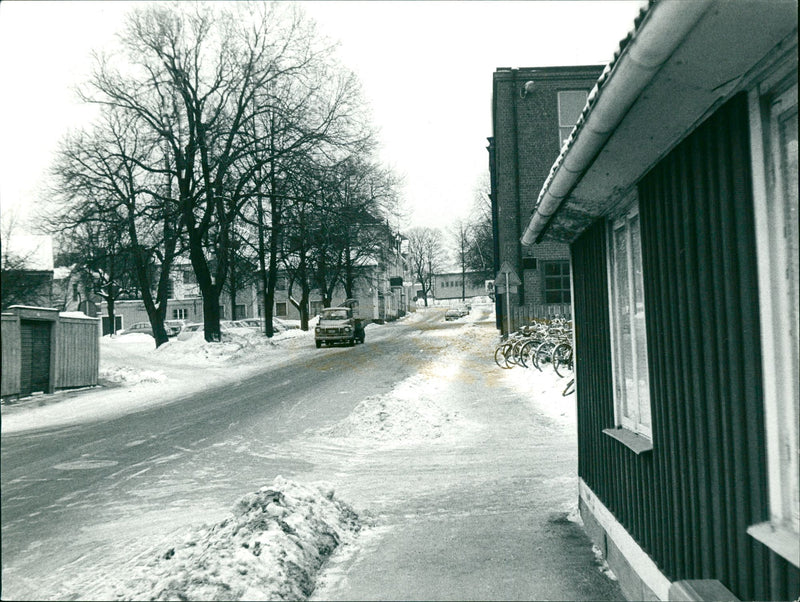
(27, 271)
(533, 113)
(449, 285)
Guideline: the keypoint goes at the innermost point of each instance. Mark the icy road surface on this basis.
(417, 431)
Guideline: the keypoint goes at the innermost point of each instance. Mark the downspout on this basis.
(665, 26)
(517, 200)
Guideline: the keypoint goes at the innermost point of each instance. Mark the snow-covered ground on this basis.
(277, 538)
(136, 375)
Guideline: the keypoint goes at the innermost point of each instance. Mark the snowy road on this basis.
(85, 496)
(417, 429)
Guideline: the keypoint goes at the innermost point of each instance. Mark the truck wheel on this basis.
(319, 344)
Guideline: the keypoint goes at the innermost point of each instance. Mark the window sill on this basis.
(633, 441)
(781, 541)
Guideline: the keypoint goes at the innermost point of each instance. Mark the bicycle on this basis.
(562, 358)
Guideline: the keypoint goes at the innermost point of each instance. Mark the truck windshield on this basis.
(334, 314)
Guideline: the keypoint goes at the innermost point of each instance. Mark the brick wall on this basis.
(526, 143)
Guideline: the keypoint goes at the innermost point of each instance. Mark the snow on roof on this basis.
(62, 273)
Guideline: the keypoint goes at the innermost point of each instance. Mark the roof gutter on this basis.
(666, 25)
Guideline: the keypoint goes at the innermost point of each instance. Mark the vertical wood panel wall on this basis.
(689, 502)
(11, 346)
(78, 345)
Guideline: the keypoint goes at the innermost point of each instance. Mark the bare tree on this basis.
(99, 257)
(426, 257)
(460, 235)
(222, 102)
(113, 182)
(200, 77)
(480, 241)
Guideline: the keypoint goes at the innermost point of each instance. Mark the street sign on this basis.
(507, 275)
(500, 289)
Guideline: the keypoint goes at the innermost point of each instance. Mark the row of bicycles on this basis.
(540, 344)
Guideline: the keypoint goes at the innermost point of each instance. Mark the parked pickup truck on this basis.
(339, 325)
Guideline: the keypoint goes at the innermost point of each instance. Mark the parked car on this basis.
(190, 330)
(174, 327)
(196, 329)
(258, 324)
(139, 327)
(452, 314)
(286, 325)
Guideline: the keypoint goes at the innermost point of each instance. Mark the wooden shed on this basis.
(43, 351)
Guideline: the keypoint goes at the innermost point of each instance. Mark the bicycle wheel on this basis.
(523, 351)
(543, 354)
(500, 356)
(516, 353)
(562, 359)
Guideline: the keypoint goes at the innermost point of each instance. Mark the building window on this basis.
(629, 345)
(773, 122)
(280, 309)
(570, 107)
(556, 282)
(170, 289)
(75, 293)
(179, 313)
(239, 312)
(315, 308)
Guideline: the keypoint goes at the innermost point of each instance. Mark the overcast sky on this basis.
(426, 70)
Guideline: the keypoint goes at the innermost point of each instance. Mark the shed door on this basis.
(35, 373)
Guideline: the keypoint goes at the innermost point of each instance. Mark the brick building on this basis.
(533, 113)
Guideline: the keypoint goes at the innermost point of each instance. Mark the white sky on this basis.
(426, 70)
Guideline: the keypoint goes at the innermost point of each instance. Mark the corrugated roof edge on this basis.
(591, 100)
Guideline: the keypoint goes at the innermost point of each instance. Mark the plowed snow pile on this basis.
(271, 548)
(411, 412)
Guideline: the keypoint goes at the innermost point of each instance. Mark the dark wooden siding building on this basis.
(699, 504)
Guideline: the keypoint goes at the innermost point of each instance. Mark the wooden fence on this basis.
(11, 362)
(525, 314)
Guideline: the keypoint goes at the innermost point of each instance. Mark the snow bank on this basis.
(271, 548)
(405, 415)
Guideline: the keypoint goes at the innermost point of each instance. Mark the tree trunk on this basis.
(111, 316)
(233, 286)
(348, 272)
(304, 291)
(208, 290)
(272, 274)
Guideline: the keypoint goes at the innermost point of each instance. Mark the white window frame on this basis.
(635, 419)
(770, 100)
(180, 313)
